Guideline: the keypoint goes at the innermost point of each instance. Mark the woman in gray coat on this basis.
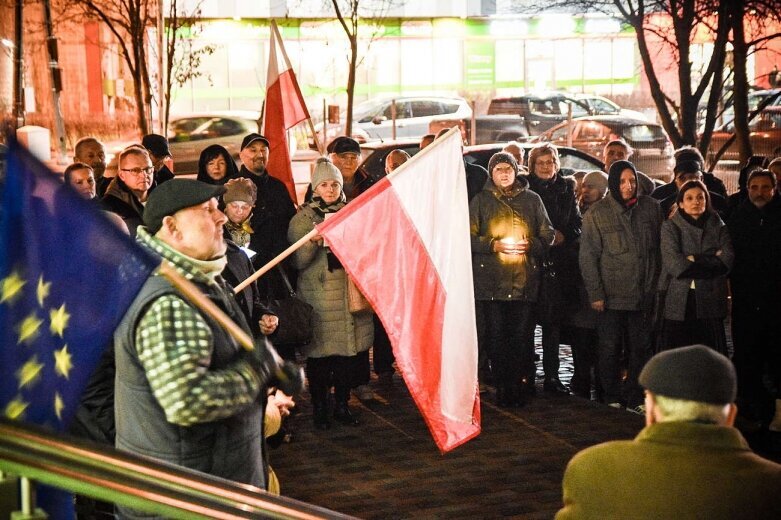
(696, 256)
(339, 336)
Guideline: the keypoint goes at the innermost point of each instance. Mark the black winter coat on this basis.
(756, 238)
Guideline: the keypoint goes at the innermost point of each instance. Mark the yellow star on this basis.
(29, 373)
(62, 361)
(59, 320)
(43, 290)
(28, 329)
(59, 405)
(11, 286)
(15, 409)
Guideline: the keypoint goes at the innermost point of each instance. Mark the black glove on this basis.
(289, 377)
(263, 360)
(270, 367)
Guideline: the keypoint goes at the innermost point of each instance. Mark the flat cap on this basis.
(156, 144)
(693, 373)
(344, 144)
(251, 138)
(171, 196)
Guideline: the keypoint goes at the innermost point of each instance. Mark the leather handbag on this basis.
(295, 317)
(356, 301)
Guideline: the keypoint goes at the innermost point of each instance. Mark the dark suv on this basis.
(540, 112)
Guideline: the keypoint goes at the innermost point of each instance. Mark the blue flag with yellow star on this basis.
(67, 276)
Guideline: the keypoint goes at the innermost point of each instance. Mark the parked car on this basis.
(765, 136)
(653, 151)
(373, 119)
(374, 156)
(542, 111)
(188, 135)
(488, 129)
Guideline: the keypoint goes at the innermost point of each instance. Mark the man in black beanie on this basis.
(619, 262)
(688, 462)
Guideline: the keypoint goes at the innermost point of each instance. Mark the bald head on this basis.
(395, 159)
(514, 149)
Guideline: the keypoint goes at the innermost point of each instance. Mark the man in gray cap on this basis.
(688, 462)
(204, 410)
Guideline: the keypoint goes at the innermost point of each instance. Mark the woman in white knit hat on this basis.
(339, 336)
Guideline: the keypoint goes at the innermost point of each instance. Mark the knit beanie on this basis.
(325, 171)
(694, 373)
(502, 157)
(242, 190)
(597, 179)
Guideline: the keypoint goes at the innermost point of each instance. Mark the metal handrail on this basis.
(138, 482)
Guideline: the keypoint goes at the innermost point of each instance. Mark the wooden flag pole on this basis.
(278, 38)
(274, 261)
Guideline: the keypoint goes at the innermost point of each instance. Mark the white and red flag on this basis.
(406, 244)
(285, 108)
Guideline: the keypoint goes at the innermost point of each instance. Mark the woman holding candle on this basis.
(510, 235)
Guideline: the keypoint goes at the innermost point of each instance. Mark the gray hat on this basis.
(502, 157)
(694, 373)
(171, 196)
(597, 178)
(325, 171)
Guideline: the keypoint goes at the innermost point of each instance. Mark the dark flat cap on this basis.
(344, 144)
(693, 373)
(251, 138)
(171, 196)
(156, 144)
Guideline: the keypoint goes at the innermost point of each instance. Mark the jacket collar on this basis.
(694, 434)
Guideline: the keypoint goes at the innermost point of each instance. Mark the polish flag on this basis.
(285, 108)
(406, 244)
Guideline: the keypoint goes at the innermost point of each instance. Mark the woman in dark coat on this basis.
(696, 256)
(216, 166)
(558, 292)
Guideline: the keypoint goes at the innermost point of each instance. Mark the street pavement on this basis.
(389, 467)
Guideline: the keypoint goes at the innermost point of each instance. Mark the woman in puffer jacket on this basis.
(339, 336)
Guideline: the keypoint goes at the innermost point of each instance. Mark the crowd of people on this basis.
(607, 262)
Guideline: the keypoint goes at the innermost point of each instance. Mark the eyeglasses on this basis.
(549, 162)
(138, 171)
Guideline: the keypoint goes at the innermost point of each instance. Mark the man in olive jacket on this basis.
(619, 261)
(688, 462)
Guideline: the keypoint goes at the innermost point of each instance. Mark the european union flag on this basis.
(67, 276)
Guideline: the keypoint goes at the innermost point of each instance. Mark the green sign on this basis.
(480, 62)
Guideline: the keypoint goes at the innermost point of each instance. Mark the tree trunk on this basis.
(348, 126)
(740, 92)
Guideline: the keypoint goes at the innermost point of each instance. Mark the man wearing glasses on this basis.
(128, 191)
